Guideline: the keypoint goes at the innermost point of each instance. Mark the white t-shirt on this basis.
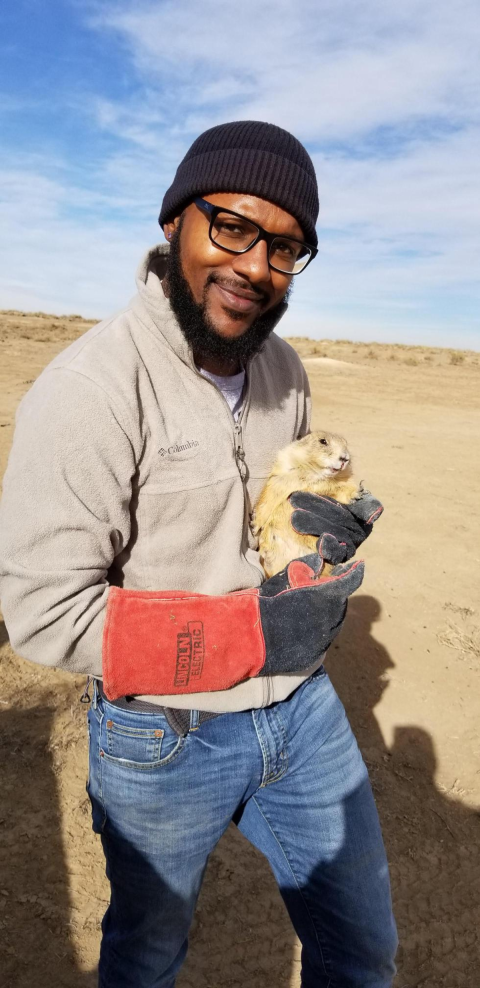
(231, 388)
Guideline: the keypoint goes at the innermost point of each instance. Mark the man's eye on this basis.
(285, 248)
(230, 229)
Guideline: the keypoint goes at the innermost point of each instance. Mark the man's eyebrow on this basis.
(244, 216)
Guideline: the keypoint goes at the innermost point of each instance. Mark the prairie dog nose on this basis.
(344, 458)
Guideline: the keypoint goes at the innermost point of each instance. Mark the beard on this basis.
(195, 324)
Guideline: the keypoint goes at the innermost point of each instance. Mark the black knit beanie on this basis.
(252, 157)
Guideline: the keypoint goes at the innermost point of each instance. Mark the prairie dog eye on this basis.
(323, 442)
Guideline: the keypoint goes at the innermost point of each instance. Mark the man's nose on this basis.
(253, 265)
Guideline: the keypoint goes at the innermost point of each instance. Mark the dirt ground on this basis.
(407, 667)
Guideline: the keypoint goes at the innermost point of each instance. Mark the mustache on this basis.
(231, 285)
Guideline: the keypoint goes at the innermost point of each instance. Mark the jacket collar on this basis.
(151, 297)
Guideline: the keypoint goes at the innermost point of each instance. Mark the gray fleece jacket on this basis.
(128, 469)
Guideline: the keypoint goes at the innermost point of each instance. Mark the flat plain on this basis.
(407, 667)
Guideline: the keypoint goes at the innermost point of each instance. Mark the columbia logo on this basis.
(178, 447)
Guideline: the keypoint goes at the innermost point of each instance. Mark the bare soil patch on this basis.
(407, 667)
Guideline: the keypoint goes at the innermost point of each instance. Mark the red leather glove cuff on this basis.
(177, 642)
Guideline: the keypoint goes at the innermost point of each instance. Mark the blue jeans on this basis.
(294, 779)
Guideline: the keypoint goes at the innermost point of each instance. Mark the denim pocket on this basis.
(134, 744)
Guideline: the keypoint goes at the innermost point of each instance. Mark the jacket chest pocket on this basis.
(176, 472)
(188, 469)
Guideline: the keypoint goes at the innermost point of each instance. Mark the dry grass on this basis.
(40, 327)
(465, 612)
(466, 642)
(374, 353)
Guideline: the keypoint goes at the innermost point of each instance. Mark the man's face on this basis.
(234, 290)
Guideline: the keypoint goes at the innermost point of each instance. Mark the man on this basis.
(127, 554)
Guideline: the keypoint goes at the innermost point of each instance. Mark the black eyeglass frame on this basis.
(213, 212)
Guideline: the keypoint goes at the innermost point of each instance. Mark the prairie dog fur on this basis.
(319, 463)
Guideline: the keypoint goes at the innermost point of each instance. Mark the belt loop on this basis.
(95, 694)
(194, 720)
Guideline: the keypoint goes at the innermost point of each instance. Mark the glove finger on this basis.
(333, 551)
(348, 575)
(301, 572)
(316, 503)
(307, 500)
(367, 508)
(335, 516)
(320, 509)
(321, 505)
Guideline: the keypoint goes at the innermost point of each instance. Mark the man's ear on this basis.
(170, 227)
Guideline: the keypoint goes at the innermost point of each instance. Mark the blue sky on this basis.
(100, 100)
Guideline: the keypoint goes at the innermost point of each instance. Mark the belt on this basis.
(179, 720)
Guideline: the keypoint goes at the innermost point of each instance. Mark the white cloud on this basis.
(327, 70)
(387, 99)
(56, 261)
(139, 124)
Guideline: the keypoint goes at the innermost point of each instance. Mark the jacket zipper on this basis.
(239, 453)
(242, 469)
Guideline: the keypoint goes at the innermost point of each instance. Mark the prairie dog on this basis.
(319, 463)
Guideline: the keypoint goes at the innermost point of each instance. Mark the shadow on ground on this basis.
(432, 841)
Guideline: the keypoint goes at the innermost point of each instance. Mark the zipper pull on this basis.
(239, 451)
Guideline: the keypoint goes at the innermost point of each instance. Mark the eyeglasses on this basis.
(232, 232)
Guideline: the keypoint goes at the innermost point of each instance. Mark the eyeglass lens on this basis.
(237, 234)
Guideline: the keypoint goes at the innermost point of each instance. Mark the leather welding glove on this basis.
(341, 528)
(165, 643)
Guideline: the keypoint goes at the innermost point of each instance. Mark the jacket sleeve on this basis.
(64, 516)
